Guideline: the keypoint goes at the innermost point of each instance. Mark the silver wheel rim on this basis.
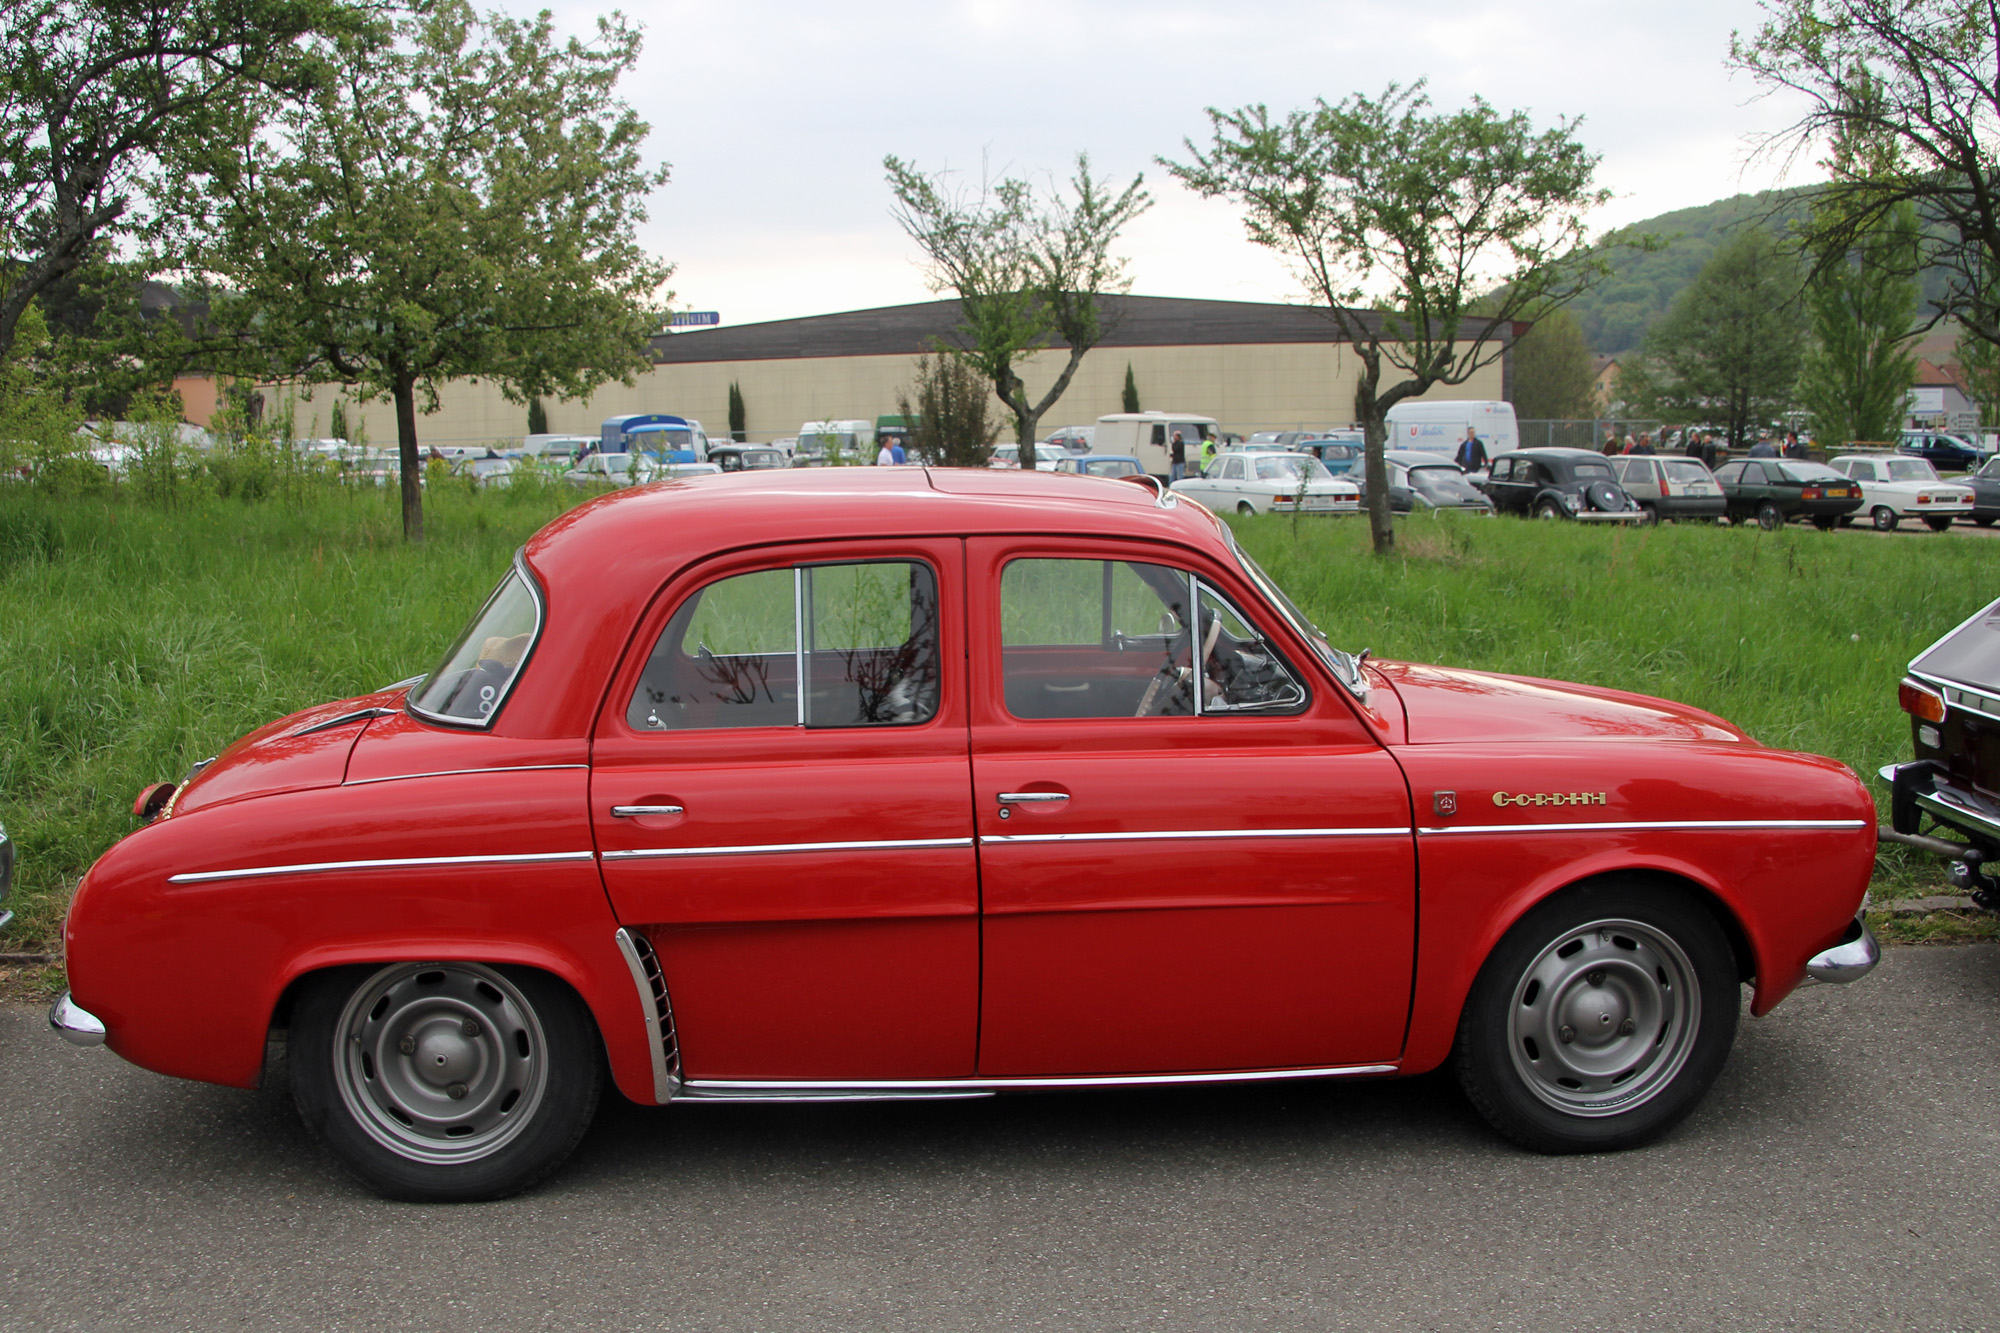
(442, 1063)
(1604, 1018)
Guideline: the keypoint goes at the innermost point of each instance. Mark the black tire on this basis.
(1770, 517)
(1648, 516)
(1549, 509)
(1984, 520)
(1599, 948)
(1245, 508)
(1824, 522)
(1938, 524)
(1884, 518)
(525, 1043)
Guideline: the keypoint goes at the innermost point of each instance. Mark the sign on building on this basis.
(695, 319)
(1926, 402)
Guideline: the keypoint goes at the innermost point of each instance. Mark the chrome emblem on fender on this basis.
(1550, 798)
(1444, 802)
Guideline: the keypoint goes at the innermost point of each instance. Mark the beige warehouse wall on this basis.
(1246, 387)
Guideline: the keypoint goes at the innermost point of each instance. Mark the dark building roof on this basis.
(905, 330)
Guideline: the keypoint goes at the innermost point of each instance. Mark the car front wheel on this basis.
(1548, 510)
(1600, 1019)
(444, 1082)
(1883, 517)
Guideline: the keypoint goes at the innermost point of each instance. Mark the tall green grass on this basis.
(137, 637)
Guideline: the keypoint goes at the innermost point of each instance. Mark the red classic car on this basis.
(905, 783)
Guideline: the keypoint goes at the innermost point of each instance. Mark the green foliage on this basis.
(1451, 225)
(538, 418)
(738, 414)
(1027, 273)
(1554, 376)
(1728, 352)
(463, 201)
(1130, 398)
(1980, 360)
(1857, 374)
(950, 420)
(336, 424)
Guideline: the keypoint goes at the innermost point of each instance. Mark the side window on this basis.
(1730, 472)
(863, 639)
(1113, 638)
(1232, 469)
(1159, 434)
(1501, 470)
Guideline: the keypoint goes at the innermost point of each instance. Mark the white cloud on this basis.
(776, 117)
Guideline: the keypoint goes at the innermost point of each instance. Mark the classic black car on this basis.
(1952, 694)
(1775, 491)
(1985, 485)
(744, 457)
(1947, 453)
(1558, 483)
(1420, 481)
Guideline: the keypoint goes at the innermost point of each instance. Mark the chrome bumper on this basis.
(1850, 960)
(1951, 807)
(75, 1024)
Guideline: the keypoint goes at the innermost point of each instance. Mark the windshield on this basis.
(473, 680)
(1794, 471)
(1290, 467)
(1345, 667)
(1911, 469)
(1444, 483)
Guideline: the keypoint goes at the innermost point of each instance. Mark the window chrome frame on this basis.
(540, 599)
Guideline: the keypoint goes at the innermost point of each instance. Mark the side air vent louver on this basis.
(652, 982)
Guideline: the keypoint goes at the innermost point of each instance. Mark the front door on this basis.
(1194, 856)
(779, 791)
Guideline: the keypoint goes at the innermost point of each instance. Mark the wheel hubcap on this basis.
(1604, 1017)
(440, 1063)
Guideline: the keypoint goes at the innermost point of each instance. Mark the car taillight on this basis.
(1813, 493)
(1923, 499)
(1920, 701)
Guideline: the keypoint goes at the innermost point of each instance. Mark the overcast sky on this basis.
(775, 117)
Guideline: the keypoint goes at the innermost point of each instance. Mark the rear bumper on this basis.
(1915, 788)
(75, 1024)
(1853, 958)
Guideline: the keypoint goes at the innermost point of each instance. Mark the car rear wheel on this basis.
(1770, 517)
(444, 1082)
(1940, 523)
(1984, 521)
(1245, 507)
(1883, 517)
(1600, 1019)
(1648, 516)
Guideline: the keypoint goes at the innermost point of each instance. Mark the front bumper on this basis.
(75, 1024)
(1850, 960)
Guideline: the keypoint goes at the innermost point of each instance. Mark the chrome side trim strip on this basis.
(759, 849)
(803, 1088)
(463, 772)
(397, 863)
(1178, 835)
(1618, 826)
(659, 1014)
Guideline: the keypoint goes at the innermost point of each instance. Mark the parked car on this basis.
(1008, 456)
(487, 471)
(1421, 481)
(1669, 487)
(1774, 491)
(1257, 483)
(746, 457)
(908, 783)
(1894, 488)
(613, 470)
(1101, 465)
(1952, 787)
(1072, 439)
(1558, 483)
(1985, 485)
(1341, 456)
(1948, 453)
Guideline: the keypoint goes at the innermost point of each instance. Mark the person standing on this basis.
(1763, 449)
(1793, 449)
(1178, 458)
(896, 448)
(1610, 442)
(1471, 455)
(1207, 452)
(885, 456)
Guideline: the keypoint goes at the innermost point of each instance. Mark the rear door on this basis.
(780, 795)
(1174, 879)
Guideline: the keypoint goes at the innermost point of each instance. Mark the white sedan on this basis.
(1259, 483)
(1894, 488)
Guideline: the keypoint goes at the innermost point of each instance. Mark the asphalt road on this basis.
(1844, 1174)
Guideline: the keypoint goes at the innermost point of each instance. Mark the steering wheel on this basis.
(1184, 677)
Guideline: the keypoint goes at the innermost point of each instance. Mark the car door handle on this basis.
(633, 811)
(1019, 797)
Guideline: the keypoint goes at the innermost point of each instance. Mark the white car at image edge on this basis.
(1895, 487)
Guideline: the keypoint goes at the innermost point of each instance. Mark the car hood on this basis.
(1443, 705)
(307, 749)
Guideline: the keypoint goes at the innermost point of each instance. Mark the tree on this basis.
(1028, 274)
(1922, 76)
(1728, 350)
(951, 421)
(737, 414)
(1979, 362)
(1378, 201)
(461, 202)
(92, 92)
(538, 417)
(1130, 399)
(1554, 376)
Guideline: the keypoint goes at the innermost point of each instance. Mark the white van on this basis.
(1439, 427)
(1148, 437)
(854, 439)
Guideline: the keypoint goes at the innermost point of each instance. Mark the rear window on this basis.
(1795, 471)
(1685, 469)
(475, 677)
(1590, 470)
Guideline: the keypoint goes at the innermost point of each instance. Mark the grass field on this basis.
(136, 639)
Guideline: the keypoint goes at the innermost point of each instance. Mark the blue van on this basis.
(667, 438)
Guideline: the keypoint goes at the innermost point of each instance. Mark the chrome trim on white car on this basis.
(1619, 826)
(1176, 835)
(394, 863)
(884, 1089)
(760, 848)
